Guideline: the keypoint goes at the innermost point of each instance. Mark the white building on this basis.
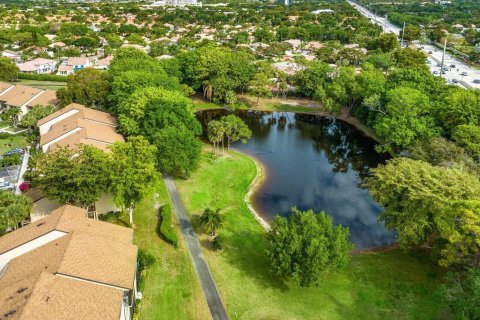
(39, 66)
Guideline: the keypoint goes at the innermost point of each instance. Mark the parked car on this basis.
(453, 66)
(435, 72)
(14, 151)
(430, 52)
(5, 185)
(464, 73)
(454, 81)
(476, 81)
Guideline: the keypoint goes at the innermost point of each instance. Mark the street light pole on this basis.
(403, 33)
(443, 56)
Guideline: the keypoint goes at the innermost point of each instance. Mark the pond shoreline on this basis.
(344, 116)
(254, 186)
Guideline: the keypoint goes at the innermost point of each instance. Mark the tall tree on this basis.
(216, 133)
(8, 69)
(405, 119)
(30, 119)
(304, 244)
(13, 209)
(178, 150)
(88, 86)
(77, 176)
(414, 192)
(235, 129)
(133, 171)
(260, 86)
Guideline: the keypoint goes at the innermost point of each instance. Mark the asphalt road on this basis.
(208, 285)
(434, 58)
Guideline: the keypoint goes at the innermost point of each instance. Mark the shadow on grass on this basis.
(115, 218)
(241, 251)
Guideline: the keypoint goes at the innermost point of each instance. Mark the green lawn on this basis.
(170, 286)
(53, 85)
(13, 141)
(388, 285)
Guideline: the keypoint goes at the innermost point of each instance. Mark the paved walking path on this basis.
(208, 285)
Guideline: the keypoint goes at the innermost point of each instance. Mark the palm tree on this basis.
(211, 220)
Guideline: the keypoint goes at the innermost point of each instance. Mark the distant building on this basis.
(39, 66)
(284, 2)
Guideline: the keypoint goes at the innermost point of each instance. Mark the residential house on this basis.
(72, 65)
(24, 97)
(76, 124)
(68, 127)
(12, 55)
(39, 66)
(103, 64)
(67, 266)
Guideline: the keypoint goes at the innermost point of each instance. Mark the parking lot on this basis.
(10, 174)
(462, 75)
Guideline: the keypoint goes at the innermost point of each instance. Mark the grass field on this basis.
(170, 286)
(53, 85)
(387, 285)
(12, 142)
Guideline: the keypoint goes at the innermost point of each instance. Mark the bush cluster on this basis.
(166, 225)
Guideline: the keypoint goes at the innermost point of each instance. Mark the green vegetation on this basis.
(46, 85)
(13, 141)
(170, 286)
(376, 285)
(13, 209)
(305, 244)
(166, 225)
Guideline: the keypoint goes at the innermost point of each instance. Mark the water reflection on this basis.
(314, 162)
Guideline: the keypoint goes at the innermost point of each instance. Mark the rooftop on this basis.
(80, 274)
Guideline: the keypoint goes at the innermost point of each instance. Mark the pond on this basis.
(314, 162)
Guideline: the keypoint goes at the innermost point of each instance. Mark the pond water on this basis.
(314, 162)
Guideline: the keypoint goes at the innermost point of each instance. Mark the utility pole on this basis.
(386, 19)
(403, 33)
(443, 56)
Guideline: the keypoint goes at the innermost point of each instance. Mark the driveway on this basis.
(208, 285)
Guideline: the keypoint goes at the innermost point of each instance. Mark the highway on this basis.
(458, 72)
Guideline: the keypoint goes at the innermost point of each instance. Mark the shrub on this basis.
(12, 160)
(42, 77)
(166, 225)
(4, 135)
(218, 242)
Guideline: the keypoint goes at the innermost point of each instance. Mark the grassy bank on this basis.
(52, 85)
(386, 285)
(170, 286)
(13, 141)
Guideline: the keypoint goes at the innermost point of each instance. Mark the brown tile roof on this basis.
(88, 113)
(47, 98)
(63, 278)
(4, 86)
(55, 297)
(67, 219)
(91, 257)
(97, 128)
(19, 95)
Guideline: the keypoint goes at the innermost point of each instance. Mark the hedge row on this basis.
(42, 77)
(166, 225)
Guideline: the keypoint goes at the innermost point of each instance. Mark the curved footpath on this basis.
(210, 291)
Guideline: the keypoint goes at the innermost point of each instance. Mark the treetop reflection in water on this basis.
(314, 162)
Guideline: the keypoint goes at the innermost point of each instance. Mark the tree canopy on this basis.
(304, 244)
